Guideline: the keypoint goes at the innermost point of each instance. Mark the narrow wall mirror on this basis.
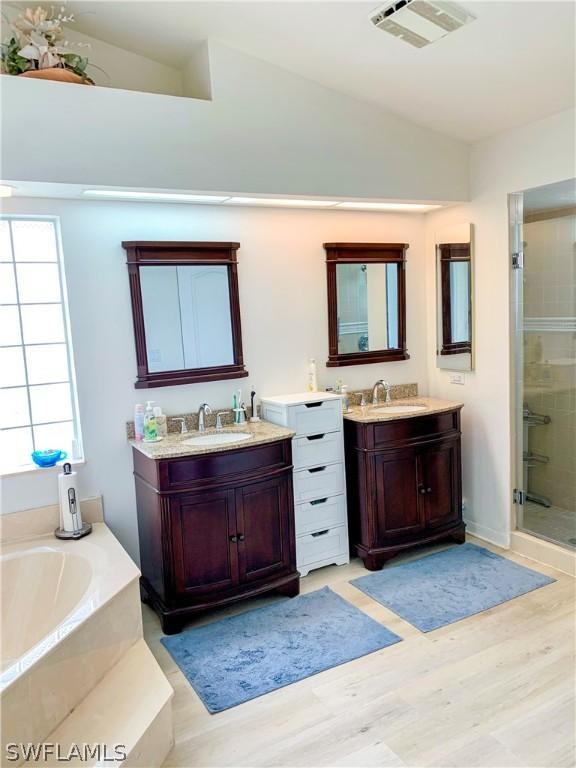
(366, 303)
(454, 276)
(186, 312)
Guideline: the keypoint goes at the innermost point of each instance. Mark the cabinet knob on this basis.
(421, 489)
(241, 537)
(234, 539)
(428, 490)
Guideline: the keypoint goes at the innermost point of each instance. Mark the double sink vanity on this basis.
(232, 513)
(229, 513)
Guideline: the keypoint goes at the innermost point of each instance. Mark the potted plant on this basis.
(38, 48)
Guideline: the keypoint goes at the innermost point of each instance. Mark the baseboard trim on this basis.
(499, 538)
(544, 552)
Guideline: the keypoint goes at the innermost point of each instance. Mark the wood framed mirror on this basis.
(186, 312)
(366, 303)
(454, 270)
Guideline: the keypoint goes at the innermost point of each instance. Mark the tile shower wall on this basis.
(550, 356)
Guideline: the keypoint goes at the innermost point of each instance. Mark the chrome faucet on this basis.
(203, 411)
(183, 425)
(386, 387)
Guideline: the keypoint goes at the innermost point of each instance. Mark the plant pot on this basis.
(56, 73)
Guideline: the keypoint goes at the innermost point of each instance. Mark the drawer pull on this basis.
(320, 533)
(315, 437)
(313, 405)
(317, 469)
(319, 501)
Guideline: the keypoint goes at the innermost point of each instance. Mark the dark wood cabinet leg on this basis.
(373, 562)
(291, 589)
(170, 624)
(460, 536)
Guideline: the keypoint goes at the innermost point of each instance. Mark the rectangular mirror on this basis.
(185, 311)
(454, 298)
(366, 303)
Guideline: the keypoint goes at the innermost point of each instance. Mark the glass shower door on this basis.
(544, 303)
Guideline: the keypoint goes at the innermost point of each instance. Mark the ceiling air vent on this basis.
(420, 22)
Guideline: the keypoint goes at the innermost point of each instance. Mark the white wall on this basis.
(265, 131)
(282, 279)
(536, 154)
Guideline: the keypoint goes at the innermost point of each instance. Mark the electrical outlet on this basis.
(457, 378)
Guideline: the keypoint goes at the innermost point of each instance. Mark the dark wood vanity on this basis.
(404, 484)
(215, 528)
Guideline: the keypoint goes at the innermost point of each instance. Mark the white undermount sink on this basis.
(218, 438)
(400, 409)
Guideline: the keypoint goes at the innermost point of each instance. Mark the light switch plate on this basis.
(457, 378)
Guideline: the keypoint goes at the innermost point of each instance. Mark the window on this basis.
(38, 408)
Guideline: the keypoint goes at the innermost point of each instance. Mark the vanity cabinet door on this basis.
(398, 508)
(205, 556)
(265, 529)
(440, 484)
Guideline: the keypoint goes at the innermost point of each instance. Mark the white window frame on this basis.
(77, 456)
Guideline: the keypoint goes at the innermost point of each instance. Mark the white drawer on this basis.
(317, 482)
(315, 450)
(322, 545)
(316, 418)
(319, 514)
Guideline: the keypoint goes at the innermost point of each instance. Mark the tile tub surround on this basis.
(43, 520)
(174, 444)
(397, 392)
(371, 413)
(55, 672)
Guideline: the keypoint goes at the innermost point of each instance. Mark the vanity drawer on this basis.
(322, 545)
(316, 418)
(414, 429)
(319, 514)
(318, 482)
(315, 450)
(198, 471)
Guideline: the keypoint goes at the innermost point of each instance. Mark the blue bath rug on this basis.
(450, 585)
(239, 658)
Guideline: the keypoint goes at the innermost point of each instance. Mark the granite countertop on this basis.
(174, 444)
(370, 413)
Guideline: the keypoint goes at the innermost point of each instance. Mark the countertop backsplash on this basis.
(398, 392)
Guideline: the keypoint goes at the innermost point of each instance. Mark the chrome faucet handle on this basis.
(219, 425)
(387, 388)
(183, 425)
(362, 397)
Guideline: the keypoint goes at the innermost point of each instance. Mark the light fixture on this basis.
(284, 202)
(414, 207)
(6, 190)
(126, 194)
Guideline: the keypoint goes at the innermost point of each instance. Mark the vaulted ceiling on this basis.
(513, 65)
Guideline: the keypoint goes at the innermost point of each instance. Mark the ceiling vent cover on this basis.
(420, 22)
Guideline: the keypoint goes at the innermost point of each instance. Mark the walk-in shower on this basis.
(544, 295)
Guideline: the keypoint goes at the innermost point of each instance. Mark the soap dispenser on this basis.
(150, 426)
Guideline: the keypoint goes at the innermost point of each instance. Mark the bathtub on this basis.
(70, 611)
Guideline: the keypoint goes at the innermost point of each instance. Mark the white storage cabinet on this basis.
(319, 475)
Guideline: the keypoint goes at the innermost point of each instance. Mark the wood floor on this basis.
(496, 689)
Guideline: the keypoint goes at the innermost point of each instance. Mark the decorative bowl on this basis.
(48, 458)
